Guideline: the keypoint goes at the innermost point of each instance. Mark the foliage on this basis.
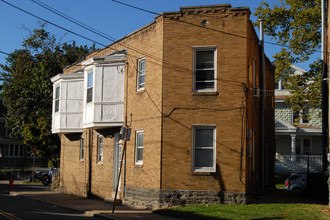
(296, 24)
(27, 89)
(253, 211)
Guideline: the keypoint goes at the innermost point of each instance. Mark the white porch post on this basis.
(293, 147)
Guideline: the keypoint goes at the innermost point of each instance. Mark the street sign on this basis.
(34, 149)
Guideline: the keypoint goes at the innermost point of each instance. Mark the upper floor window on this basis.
(203, 156)
(141, 70)
(100, 149)
(90, 76)
(205, 69)
(139, 147)
(300, 117)
(57, 98)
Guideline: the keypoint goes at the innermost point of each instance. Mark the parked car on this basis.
(296, 182)
(43, 176)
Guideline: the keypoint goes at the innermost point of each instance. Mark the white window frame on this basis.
(205, 48)
(82, 149)
(140, 85)
(91, 87)
(57, 98)
(100, 149)
(138, 161)
(203, 169)
(302, 114)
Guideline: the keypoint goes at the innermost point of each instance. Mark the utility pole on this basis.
(263, 105)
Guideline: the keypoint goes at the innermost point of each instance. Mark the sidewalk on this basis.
(91, 207)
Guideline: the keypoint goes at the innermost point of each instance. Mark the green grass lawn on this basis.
(254, 211)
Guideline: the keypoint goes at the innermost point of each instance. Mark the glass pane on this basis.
(21, 150)
(204, 59)
(141, 79)
(139, 154)
(89, 94)
(202, 75)
(204, 137)
(90, 80)
(204, 85)
(82, 149)
(203, 158)
(140, 139)
(57, 92)
(307, 149)
(57, 105)
(11, 150)
(142, 66)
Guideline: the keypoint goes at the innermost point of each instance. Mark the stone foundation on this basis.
(153, 198)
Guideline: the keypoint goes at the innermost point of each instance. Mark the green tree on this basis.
(296, 24)
(27, 89)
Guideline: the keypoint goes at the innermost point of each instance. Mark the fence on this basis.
(298, 163)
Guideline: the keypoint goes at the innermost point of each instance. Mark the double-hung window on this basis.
(100, 149)
(205, 69)
(90, 76)
(139, 147)
(141, 70)
(82, 148)
(300, 117)
(57, 98)
(203, 153)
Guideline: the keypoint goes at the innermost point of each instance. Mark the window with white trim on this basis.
(57, 99)
(90, 80)
(82, 148)
(100, 149)
(205, 69)
(300, 117)
(139, 146)
(141, 70)
(204, 147)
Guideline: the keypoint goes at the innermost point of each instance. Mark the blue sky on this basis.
(107, 16)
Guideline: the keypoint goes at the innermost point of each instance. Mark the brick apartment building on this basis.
(188, 85)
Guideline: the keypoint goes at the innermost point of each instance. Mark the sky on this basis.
(108, 16)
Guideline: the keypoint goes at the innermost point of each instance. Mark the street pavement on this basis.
(90, 207)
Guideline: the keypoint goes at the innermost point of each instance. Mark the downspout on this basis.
(263, 100)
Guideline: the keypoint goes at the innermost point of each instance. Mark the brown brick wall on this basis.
(167, 45)
(178, 93)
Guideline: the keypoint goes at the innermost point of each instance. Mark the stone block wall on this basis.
(154, 198)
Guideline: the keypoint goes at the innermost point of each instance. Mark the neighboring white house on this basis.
(298, 139)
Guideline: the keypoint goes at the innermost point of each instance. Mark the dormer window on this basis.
(90, 87)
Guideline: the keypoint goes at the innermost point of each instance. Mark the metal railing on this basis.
(298, 163)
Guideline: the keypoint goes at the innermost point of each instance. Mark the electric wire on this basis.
(49, 22)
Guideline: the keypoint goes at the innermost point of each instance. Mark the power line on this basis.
(49, 22)
(73, 20)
